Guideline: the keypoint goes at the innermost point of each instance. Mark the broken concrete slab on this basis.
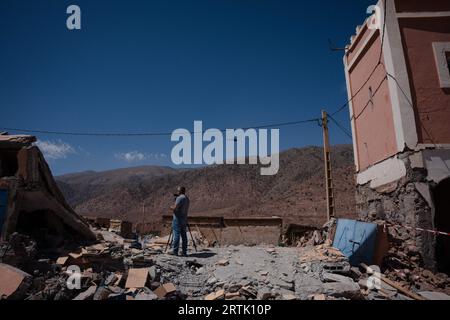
(333, 277)
(13, 282)
(430, 295)
(342, 290)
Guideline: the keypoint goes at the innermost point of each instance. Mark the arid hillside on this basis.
(296, 193)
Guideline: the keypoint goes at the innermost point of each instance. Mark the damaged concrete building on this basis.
(30, 201)
(398, 82)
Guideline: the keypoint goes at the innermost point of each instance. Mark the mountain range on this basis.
(296, 193)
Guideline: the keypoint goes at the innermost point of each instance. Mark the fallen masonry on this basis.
(67, 259)
(113, 269)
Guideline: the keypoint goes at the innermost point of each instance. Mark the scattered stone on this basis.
(234, 288)
(211, 281)
(223, 262)
(86, 295)
(245, 283)
(264, 294)
(346, 289)
(146, 296)
(231, 295)
(248, 292)
(13, 282)
(137, 278)
(363, 284)
(434, 295)
(216, 295)
(332, 277)
(200, 270)
(111, 279)
(153, 272)
(62, 261)
(165, 290)
(102, 293)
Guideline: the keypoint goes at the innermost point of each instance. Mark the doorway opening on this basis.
(441, 195)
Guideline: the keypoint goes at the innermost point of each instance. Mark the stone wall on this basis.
(405, 202)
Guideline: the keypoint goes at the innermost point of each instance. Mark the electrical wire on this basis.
(148, 134)
(340, 127)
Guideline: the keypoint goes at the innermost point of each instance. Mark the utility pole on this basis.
(327, 162)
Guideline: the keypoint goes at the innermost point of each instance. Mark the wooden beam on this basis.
(327, 164)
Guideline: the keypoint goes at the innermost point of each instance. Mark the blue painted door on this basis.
(356, 240)
(3, 207)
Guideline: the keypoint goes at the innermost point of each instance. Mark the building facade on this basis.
(397, 69)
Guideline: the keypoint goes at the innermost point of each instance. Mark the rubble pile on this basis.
(309, 236)
(115, 268)
(403, 263)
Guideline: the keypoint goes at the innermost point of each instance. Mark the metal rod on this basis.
(193, 241)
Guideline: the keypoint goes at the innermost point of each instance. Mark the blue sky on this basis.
(152, 66)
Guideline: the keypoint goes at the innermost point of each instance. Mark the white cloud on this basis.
(131, 156)
(134, 156)
(54, 150)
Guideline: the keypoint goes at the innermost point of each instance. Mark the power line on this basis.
(340, 127)
(148, 134)
(357, 91)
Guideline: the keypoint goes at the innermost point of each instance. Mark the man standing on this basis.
(179, 222)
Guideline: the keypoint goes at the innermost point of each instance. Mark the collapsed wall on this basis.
(31, 202)
(411, 204)
(219, 231)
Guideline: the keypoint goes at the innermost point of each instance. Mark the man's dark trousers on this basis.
(179, 226)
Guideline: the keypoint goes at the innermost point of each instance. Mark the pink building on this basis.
(398, 80)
